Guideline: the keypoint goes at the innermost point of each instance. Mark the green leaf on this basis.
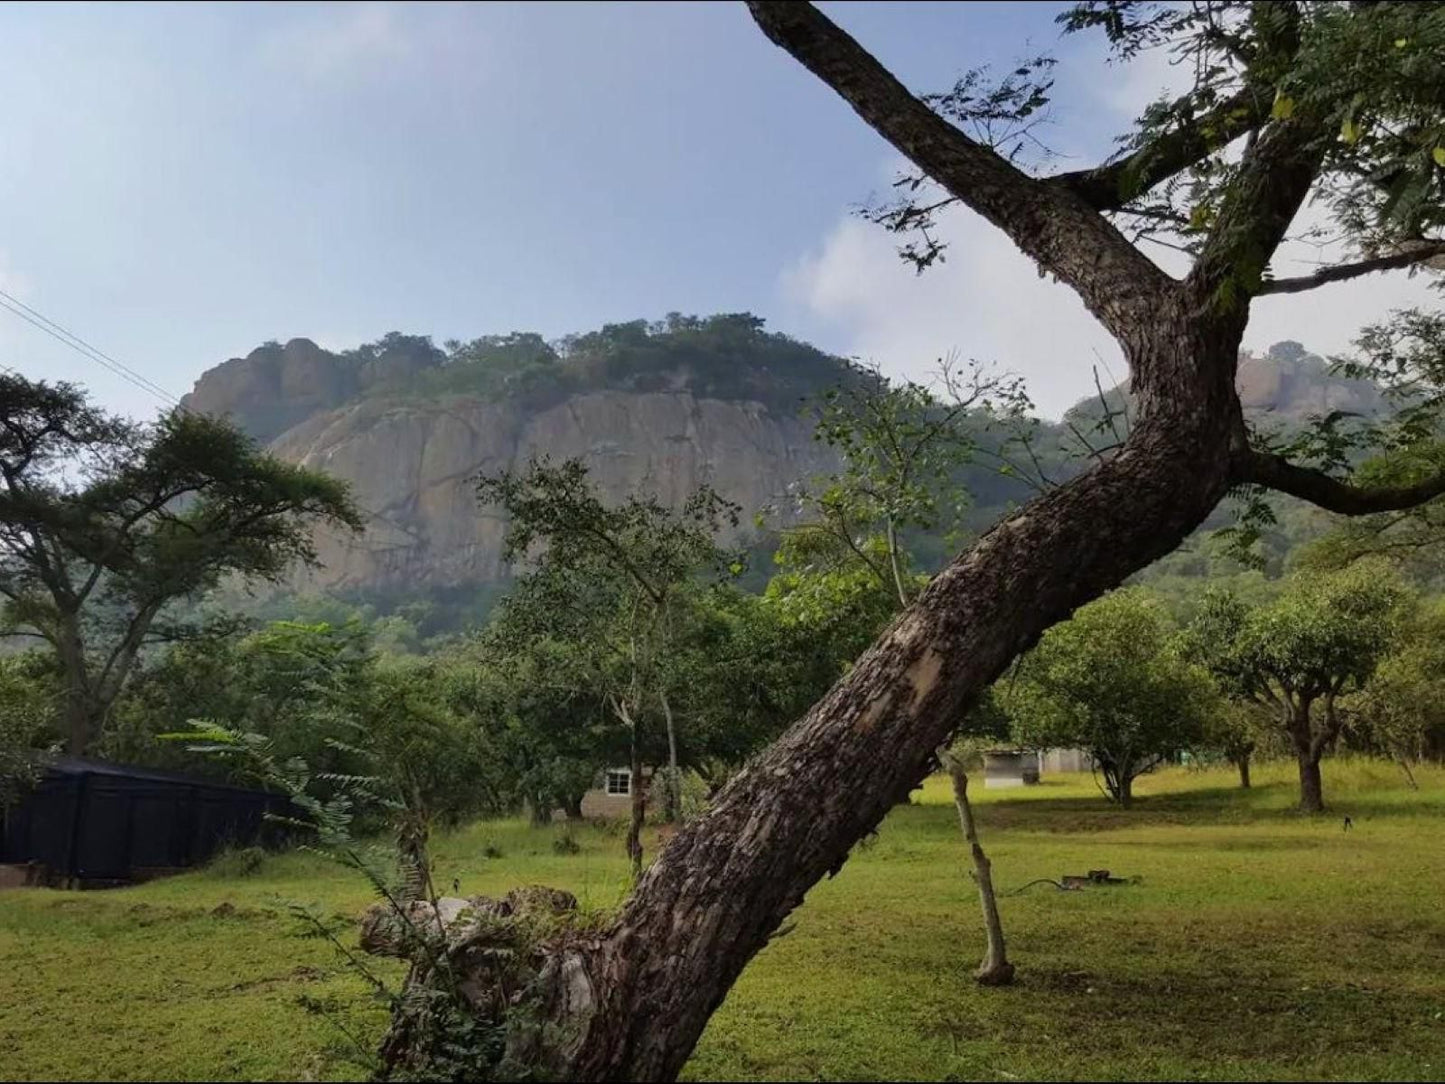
(1283, 107)
(1350, 131)
(1439, 155)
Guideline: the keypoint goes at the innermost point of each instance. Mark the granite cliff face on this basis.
(414, 465)
(412, 459)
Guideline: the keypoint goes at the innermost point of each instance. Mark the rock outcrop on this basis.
(414, 465)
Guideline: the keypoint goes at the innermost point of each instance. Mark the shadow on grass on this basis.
(1142, 1026)
(1263, 804)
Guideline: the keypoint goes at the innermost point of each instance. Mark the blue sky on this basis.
(183, 182)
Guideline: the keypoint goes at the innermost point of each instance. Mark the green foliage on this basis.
(27, 704)
(105, 523)
(1400, 710)
(1323, 635)
(724, 356)
(1320, 640)
(609, 599)
(1109, 680)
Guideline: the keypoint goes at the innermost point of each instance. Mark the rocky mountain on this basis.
(663, 406)
(1291, 384)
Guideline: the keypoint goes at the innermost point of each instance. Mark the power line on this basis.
(56, 331)
(63, 335)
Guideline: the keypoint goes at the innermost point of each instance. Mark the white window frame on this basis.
(618, 783)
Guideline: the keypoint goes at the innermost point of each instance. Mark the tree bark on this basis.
(639, 809)
(1311, 787)
(572, 803)
(81, 715)
(1124, 787)
(995, 970)
(1242, 762)
(673, 790)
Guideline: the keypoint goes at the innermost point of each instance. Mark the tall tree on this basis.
(1401, 709)
(1302, 654)
(611, 579)
(1262, 129)
(1108, 680)
(900, 446)
(104, 523)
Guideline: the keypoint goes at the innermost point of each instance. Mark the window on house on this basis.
(619, 781)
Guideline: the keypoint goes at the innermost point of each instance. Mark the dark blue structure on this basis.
(92, 821)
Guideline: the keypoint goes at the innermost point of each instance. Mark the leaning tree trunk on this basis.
(629, 1002)
(634, 1000)
(995, 970)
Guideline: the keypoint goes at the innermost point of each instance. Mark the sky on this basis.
(182, 182)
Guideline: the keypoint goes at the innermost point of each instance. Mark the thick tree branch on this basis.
(1274, 177)
(1277, 473)
(1109, 187)
(1342, 272)
(1048, 222)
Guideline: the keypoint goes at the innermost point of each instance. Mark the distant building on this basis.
(1023, 767)
(1065, 760)
(1010, 768)
(611, 795)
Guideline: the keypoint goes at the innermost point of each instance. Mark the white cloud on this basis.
(987, 302)
(338, 41)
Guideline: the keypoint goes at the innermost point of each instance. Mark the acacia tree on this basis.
(105, 522)
(1300, 655)
(1261, 131)
(1109, 680)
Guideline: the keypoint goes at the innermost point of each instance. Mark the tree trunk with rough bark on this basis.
(672, 810)
(637, 997)
(1242, 763)
(639, 810)
(1311, 784)
(995, 970)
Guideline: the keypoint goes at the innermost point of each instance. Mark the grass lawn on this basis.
(1258, 945)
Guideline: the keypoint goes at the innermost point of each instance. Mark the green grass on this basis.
(1259, 944)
